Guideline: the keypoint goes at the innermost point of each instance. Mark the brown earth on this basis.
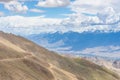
(21, 59)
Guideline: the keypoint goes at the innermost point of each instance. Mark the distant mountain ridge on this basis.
(73, 42)
(85, 40)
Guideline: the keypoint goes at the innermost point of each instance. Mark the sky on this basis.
(26, 17)
(49, 8)
(40, 16)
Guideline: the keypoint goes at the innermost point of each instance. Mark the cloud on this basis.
(31, 25)
(16, 6)
(1, 14)
(40, 24)
(108, 15)
(93, 6)
(105, 19)
(37, 10)
(53, 3)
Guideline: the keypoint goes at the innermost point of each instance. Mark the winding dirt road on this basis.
(67, 74)
(15, 59)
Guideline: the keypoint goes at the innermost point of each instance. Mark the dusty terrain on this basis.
(105, 63)
(21, 59)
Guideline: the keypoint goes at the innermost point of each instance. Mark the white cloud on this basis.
(37, 10)
(106, 11)
(105, 20)
(16, 6)
(1, 14)
(31, 25)
(109, 15)
(53, 3)
(91, 6)
(40, 24)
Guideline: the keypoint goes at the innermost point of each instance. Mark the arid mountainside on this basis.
(21, 59)
(113, 65)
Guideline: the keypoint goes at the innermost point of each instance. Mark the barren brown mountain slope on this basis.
(21, 59)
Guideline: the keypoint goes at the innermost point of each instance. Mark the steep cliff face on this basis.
(21, 59)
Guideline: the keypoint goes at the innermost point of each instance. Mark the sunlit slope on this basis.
(21, 59)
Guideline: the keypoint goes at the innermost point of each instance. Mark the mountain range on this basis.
(99, 47)
(21, 59)
(88, 43)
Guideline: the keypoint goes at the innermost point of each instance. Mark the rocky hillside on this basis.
(111, 64)
(21, 59)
